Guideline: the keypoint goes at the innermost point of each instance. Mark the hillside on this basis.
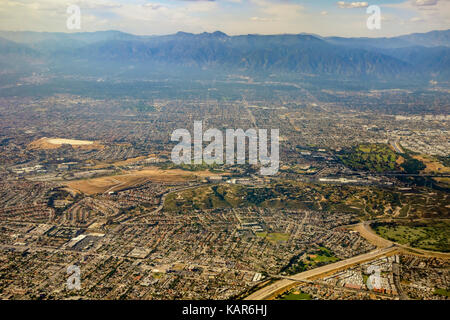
(418, 56)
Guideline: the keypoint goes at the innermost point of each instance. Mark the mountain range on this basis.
(416, 56)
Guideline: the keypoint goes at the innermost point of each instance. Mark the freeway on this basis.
(397, 147)
(367, 232)
(281, 285)
(384, 248)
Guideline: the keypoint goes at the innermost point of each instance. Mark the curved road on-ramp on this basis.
(281, 285)
(384, 248)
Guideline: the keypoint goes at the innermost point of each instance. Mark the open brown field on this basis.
(400, 160)
(432, 165)
(55, 143)
(134, 178)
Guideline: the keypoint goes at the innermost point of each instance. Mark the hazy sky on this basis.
(323, 17)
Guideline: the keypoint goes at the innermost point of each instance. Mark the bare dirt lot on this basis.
(134, 178)
(55, 143)
(432, 165)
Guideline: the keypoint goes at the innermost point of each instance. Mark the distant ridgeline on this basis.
(417, 58)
